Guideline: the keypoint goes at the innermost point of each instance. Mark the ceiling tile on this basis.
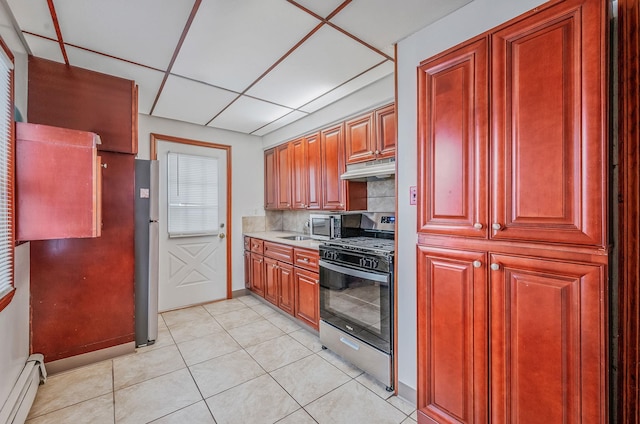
(321, 8)
(33, 16)
(148, 80)
(142, 31)
(191, 101)
(327, 59)
(247, 115)
(231, 43)
(365, 18)
(285, 120)
(352, 86)
(46, 49)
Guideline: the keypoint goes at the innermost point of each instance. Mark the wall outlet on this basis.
(413, 195)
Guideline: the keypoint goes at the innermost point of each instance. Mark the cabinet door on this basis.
(257, 274)
(548, 350)
(270, 179)
(549, 141)
(286, 288)
(452, 117)
(452, 336)
(332, 148)
(271, 280)
(314, 173)
(284, 176)
(299, 174)
(386, 132)
(247, 269)
(359, 141)
(307, 297)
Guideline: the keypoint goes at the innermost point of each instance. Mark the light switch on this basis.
(413, 195)
(144, 193)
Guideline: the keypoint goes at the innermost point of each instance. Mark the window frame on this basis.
(6, 299)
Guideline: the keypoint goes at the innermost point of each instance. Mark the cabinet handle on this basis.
(274, 266)
(495, 267)
(104, 165)
(317, 281)
(260, 261)
(478, 226)
(305, 259)
(477, 264)
(377, 152)
(496, 226)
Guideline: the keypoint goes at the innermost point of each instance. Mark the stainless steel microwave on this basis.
(325, 227)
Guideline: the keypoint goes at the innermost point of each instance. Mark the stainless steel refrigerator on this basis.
(146, 252)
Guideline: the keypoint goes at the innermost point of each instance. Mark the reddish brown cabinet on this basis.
(283, 176)
(257, 274)
(58, 183)
(512, 223)
(271, 277)
(307, 297)
(371, 136)
(299, 173)
(314, 172)
(270, 179)
(247, 268)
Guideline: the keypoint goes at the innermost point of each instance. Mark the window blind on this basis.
(192, 195)
(6, 176)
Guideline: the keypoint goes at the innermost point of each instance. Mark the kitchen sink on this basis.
(297, 238)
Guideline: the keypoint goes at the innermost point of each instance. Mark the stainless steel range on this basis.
(356, 295)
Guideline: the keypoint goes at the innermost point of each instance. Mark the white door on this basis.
(192, 269)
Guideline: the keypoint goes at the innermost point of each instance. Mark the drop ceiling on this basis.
(250, 66)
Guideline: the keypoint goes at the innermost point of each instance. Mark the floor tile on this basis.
(72, 387)
(259, 401)
(198, 413)
(278, 352)
(182, 316)
(298, 417)
(307, 339)
(263, 309)
(344, 366)
(287, 325)
(353, 403)
(374, 385)
(155, 398)
(198, 327)
(403, 405)
(249, 300)
(138, 367)
(255, 332)
(414, 416)
(222, 307)
(94, 411)
(208, 347)
(164, 339)
(309, 378)
(237, 318)
(224, 372)
(409, 420)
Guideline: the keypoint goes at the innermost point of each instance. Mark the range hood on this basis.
(385, 168)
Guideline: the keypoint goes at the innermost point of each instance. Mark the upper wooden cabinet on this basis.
(453, 144)
(299, 173)
(548, 147)
(283, 173)
(314, 171)
(58, 183)
(371, 136)
(76, 98)
(270, 179)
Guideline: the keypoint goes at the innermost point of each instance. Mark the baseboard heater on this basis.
(18, 404)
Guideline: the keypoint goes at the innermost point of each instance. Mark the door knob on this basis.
(496, 226)
(477, 264)
(477, 226)
(495, 267)
(222, 235)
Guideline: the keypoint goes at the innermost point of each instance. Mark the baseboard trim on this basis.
(77, 361)
(407, 393)
(238, 293)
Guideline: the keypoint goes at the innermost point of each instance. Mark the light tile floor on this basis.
(234, 361)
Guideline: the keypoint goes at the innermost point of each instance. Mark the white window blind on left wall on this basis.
(6, 176)
(192, 196)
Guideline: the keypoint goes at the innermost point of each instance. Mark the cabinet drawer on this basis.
(257, 245)
(307, 259)
(278, 251)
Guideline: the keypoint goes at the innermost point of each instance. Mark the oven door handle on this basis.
(380, 278)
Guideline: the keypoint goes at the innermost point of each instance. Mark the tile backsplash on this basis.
(381, 195)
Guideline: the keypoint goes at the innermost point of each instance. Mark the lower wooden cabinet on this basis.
(307, 298)
(285, 276)
(533, 328)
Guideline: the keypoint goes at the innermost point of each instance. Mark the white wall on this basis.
(468, 21)
(247, 175)
(373, 95)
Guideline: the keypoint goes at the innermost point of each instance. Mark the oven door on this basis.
(358, 302)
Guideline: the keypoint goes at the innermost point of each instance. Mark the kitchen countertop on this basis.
(275, 236)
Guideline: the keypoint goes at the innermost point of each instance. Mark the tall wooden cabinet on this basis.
(512, 223)
(82, 293)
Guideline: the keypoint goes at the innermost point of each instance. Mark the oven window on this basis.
(357, 305)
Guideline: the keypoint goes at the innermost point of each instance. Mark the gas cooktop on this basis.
(363, 244)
